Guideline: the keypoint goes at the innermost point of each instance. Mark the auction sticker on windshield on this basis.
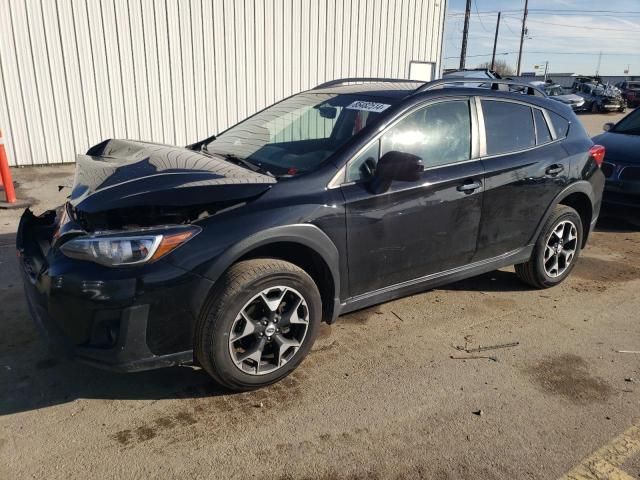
(368, 106)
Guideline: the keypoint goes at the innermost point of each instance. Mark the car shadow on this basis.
(610, 224)
(495, 281)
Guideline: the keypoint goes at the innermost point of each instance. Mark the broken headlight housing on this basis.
(116, 249)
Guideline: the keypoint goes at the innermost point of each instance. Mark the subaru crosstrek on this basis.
(230, 252)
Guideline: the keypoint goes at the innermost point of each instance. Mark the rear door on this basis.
(525, 168)
(422, 227)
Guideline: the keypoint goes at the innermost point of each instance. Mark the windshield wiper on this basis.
(240, 161)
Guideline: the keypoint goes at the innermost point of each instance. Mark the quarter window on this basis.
(560, 125)
(542, 129)
(508, 126)
(439, 134)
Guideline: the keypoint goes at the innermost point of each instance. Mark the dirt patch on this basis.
(324, 331)
(568, 376)
(361, 316)
(214, 410)
(598, 270)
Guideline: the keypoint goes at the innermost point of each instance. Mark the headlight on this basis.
(115, 250)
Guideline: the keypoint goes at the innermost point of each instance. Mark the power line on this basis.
(553, 53)
(568, 10)
(475, 4)
(575, 26)
(542, 11)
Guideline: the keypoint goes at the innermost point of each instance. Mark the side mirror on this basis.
(608, 126)
(395, 165)
(328, 112)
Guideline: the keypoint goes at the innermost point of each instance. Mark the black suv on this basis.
(230, 252)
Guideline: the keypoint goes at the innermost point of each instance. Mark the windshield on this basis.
(633, 85)
(629, 124)
(298, 134)
(554, 91)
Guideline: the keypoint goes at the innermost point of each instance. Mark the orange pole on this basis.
(1, 143)
(5, 174)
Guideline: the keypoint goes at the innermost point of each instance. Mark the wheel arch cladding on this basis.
(306, 246)
(308, 260)
(578, 196)
(581, 203)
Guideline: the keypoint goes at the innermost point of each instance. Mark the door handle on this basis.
(554, 170)
(469, 187)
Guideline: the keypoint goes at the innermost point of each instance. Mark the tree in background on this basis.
(500, 66)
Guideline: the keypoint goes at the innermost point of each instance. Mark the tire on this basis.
(540, 273)
(258, 288)
(594, 108)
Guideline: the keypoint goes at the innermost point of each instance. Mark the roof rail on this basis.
(344, 81)
(495, 84)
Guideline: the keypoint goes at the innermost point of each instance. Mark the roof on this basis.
(398, 89)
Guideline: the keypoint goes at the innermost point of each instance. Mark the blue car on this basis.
(622, 167)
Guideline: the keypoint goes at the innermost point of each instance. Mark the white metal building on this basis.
(75, 72)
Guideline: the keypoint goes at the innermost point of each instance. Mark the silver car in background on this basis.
(556, 92)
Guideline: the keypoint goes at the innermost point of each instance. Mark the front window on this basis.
(298, 134)
(439, 133)
(629, 125)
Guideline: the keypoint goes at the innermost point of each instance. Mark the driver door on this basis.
(415, 228)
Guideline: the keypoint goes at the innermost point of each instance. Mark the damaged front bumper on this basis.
(126, 319)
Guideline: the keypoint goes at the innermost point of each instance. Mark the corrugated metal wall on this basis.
(74, 72)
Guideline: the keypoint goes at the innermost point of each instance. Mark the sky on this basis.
(569, 34)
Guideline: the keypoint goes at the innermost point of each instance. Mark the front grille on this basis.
(631, 174)
(608, 169)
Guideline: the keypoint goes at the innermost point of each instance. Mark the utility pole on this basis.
(495, 43)
(465, 34)
(598, 66)
(524, 29)
(546, 70)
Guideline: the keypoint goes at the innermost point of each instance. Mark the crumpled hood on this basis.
(123, 173)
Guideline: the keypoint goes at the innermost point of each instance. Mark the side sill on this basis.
(435, 280)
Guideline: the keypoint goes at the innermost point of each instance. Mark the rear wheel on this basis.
(556, 250)
(260, 323)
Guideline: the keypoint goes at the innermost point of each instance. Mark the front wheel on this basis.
(556, 250)
(259, 324)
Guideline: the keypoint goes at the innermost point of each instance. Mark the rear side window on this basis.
(560, 125)
(508, 126)
(543, 135)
